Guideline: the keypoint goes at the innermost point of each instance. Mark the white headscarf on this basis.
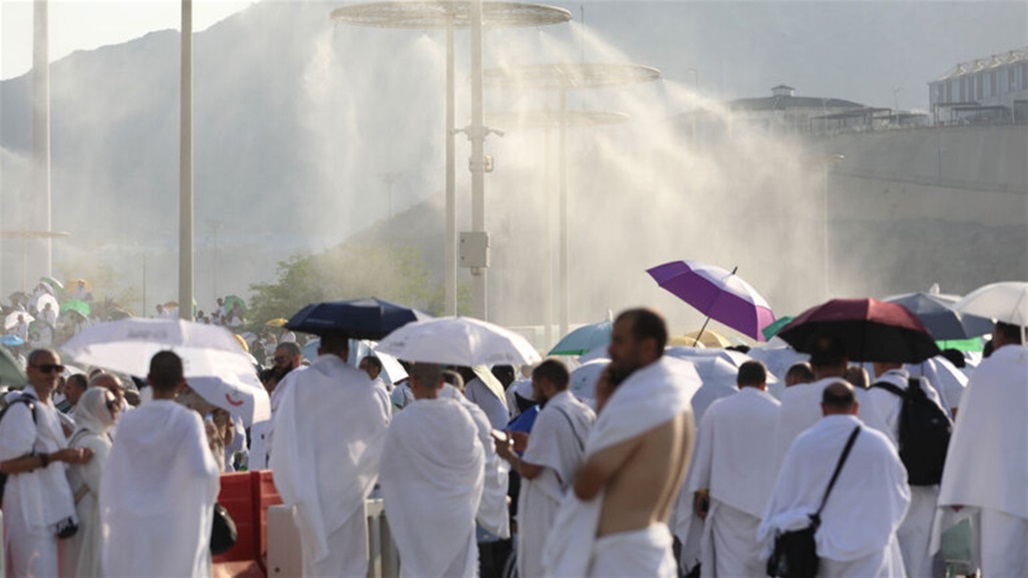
(91, 413)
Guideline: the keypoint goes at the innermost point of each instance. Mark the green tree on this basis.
(391, 272)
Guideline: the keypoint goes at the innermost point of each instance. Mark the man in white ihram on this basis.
(728, 484)
(800, 403)
(329, 431)
(158, 490)
(433, 466)
(857, 535)
(37, 500)
(914, 535)
(553, 453)
(614, 523)
(987, 463)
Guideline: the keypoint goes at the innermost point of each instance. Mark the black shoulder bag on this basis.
(795, 553)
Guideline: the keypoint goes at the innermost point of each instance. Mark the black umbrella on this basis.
(870, 330)
(937, 314)
(367, 318)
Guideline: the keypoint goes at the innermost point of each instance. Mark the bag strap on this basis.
(890, 388)
(574, 432)
(838, 468)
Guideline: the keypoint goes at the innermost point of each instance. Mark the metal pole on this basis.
(548, 245)
(477, 136)
(450, 273)
(828, 290)
(563, 215)
(185, 233)
(41, 117)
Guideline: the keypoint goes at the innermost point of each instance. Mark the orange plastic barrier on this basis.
(247, 496)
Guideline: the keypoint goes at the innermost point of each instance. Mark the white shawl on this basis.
(329, 430)
(647, 399)
(987, 463)
(431, 478)
(157, 494)
(866, 505)
(43, 494)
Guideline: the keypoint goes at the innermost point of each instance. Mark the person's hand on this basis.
(73, 455)
(701, 504)
(520, 440)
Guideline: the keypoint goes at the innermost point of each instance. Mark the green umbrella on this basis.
(76, 305)
(57, 285)
(973, 344)
(775, 327)
(232, 300)
(11, 372)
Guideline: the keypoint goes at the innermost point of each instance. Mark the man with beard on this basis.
(553, 452)
(615, 522)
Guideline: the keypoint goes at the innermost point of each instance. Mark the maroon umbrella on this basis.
(871, 330)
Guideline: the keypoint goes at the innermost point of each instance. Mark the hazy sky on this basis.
(88, 24)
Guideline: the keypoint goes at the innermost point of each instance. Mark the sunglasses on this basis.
(112, 404)
(280, 359)
(49, 368)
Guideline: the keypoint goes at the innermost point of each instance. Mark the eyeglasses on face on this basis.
(49, 368)
(112, 404)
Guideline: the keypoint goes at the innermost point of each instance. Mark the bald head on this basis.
(839, 398)
(110, 382)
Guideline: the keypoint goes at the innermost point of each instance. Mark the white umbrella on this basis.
(458, 341)
(241, 395)
(584, 378)
(1006, 302)
(12, 319)
(127, 346)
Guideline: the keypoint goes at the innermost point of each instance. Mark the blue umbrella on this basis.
(11, 340)
(367, 318)
(584, 339)
(937, 314)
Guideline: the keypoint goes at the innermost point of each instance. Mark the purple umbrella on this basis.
(717, 293)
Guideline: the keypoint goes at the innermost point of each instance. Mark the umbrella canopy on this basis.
(241, 395)
(12, 319)
(584, 339)
(277, 322)
(459, 341)
(871, 330)
(42, 300)
(11, 340)
(773, 329)
(53, 283)
(74, 285)
(584, 378)
(232, 300)
(11, 372)
(76, 305)
(1006, 302)
(367, 318)
(937, 314)
(127, 346)
(717, 293)
(702, 338)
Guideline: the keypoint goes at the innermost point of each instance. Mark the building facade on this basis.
(986, 90)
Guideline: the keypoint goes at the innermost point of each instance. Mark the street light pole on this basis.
(477, 134)
(185, 233)
(41, 117)
(450, 272)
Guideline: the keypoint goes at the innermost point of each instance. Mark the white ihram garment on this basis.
(557, 443)
(987, 463)
(857, 536)
(493, 514)
(329, 430)
(157, 494)
(432, 475)
(801, 408)
(34, 502)
(650, 397)
(735, 460)
(914, 535)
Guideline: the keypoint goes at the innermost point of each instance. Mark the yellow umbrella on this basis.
(277, 322)
(709, 339)
(242, 342)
